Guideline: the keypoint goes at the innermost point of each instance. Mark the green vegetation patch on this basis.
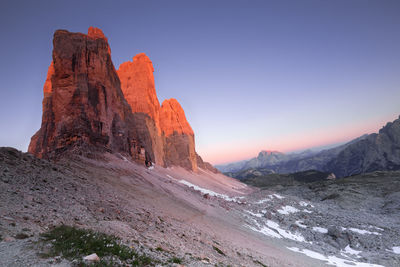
(175, 260)
(73, 243)
(218, 250)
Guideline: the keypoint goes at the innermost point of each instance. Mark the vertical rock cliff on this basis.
(179, 145)
(89, 106)
(137, 84)
(83, 105)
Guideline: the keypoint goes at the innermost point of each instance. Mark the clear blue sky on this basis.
(251, 75)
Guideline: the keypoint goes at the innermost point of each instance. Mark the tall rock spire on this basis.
(137, 84)
(179, 144)
(83, 105)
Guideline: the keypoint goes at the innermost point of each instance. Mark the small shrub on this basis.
(218, 250)
(260, 263)
(175, 260)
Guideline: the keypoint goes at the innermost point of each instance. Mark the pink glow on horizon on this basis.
(226, 153)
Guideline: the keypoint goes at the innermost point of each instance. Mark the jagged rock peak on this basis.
(173, 119)
(95, 33)
(137, 84)
(269, 152)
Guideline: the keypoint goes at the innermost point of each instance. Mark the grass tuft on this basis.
(218, 250)
(73, 243)
(175, 260)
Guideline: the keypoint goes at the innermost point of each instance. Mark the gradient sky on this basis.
(250, 75)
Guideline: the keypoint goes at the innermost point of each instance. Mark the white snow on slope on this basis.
(209, 192)
(258, 215)
(377, 228)
(287, 210)
(361, 232)
(262, 201)
(300, 224)
(320, 230)
(272, 229)
(349, 250)
(395, 250)
(305, 204)
(333, 260)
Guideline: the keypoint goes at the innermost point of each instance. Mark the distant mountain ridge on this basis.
(367, 153)
(377, 152)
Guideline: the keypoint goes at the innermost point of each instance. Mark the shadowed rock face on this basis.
(83, 104)
(375, 152)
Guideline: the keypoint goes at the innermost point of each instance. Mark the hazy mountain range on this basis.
(370, 152)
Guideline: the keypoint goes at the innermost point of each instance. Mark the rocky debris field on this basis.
(172, 219)
(345, 222)
(157, 216)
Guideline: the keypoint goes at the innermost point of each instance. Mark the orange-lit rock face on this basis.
(173, 119)
(88, 105)
(95, 33)
(179, 145)
(137, 84)
(47, 88)
(83, 105)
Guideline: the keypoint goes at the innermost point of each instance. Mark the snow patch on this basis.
(262, 201)
(266, 231)
(205, 191)
(361, 232)
(376, 227)
(258, 215)
(307, 211)
(285, 233)
(333, 260)
(272, 229)
(320, 230)
(349, 250)
(278, 196)
(300, 224)
(287, 210)
(396, 250)
(305, 204)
